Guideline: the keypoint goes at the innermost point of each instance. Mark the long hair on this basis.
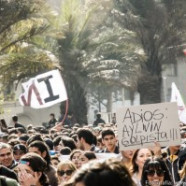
(155, 164)
(135, 167)
(42, 147)
(37, 164)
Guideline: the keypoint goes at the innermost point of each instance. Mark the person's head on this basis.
(52, 115)
(36, 137)
(15, 119)
(174, 149)
(18, 151)
(75, 157)
(139, 158)
(3, 123)
(40, 148)
(56, 142)
(23, 139)
(85, 136)
(20, 131)
(110, 173)
(67, 142)
(155, 173)
(33, 165)
(65, 151)
(127, 154)
(98, 115)
(109, 139)
(6, 155)
(55, 161)
(86, 156)
(49, 143)
(65, 170)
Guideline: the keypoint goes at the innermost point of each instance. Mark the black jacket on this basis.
(177, 164)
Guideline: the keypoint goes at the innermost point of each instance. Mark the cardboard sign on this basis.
(141, 126)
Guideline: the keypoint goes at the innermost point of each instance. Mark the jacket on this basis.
(177, 163)
(4, 181)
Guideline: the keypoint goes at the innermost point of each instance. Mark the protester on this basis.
(95, 173)
(18, 151)
(110, 142)
(6, 156)
(75, 157)
(175, 160)
(127, 157)
(156, 173)
(65, 170)
(98, 120)
(31, 170)
(41, 148)
(16, 124)
(86, 156)
(86, 140)
(52, 121)
(138, 160)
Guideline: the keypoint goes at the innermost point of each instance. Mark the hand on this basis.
(28, 179)
(156, 149)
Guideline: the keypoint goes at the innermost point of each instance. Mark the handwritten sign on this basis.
(141, 126)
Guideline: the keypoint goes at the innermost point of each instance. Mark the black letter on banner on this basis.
(47, 82)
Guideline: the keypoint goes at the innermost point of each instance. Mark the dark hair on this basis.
(15, 118)
(110, 173)
(155, 164)
(56, 140)
(3, 125)
(36, 137)
(42, 147)
(68, 142)
(90, 155)
(74, 152)
(21, 129)
(86, 134)
(52, 114)
(65, 151)
(24, 137)
(38, 164)
(106, 132)
(134, 165)
(49, 143)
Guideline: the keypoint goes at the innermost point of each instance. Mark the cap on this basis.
(20, 147)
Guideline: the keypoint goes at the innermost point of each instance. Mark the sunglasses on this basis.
(152, 172)
(67, 172)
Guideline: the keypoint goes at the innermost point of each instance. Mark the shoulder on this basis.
(8, 181)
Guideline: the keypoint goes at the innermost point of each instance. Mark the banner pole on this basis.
(66, 111)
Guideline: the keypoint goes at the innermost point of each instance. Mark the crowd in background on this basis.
(89, 155)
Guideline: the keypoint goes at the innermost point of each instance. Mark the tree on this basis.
(157, 31)
(21, 22)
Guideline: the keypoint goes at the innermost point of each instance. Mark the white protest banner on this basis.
(176, 97)
(141, 126)
(43, 90)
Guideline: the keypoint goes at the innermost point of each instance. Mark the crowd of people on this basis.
(89, 155)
